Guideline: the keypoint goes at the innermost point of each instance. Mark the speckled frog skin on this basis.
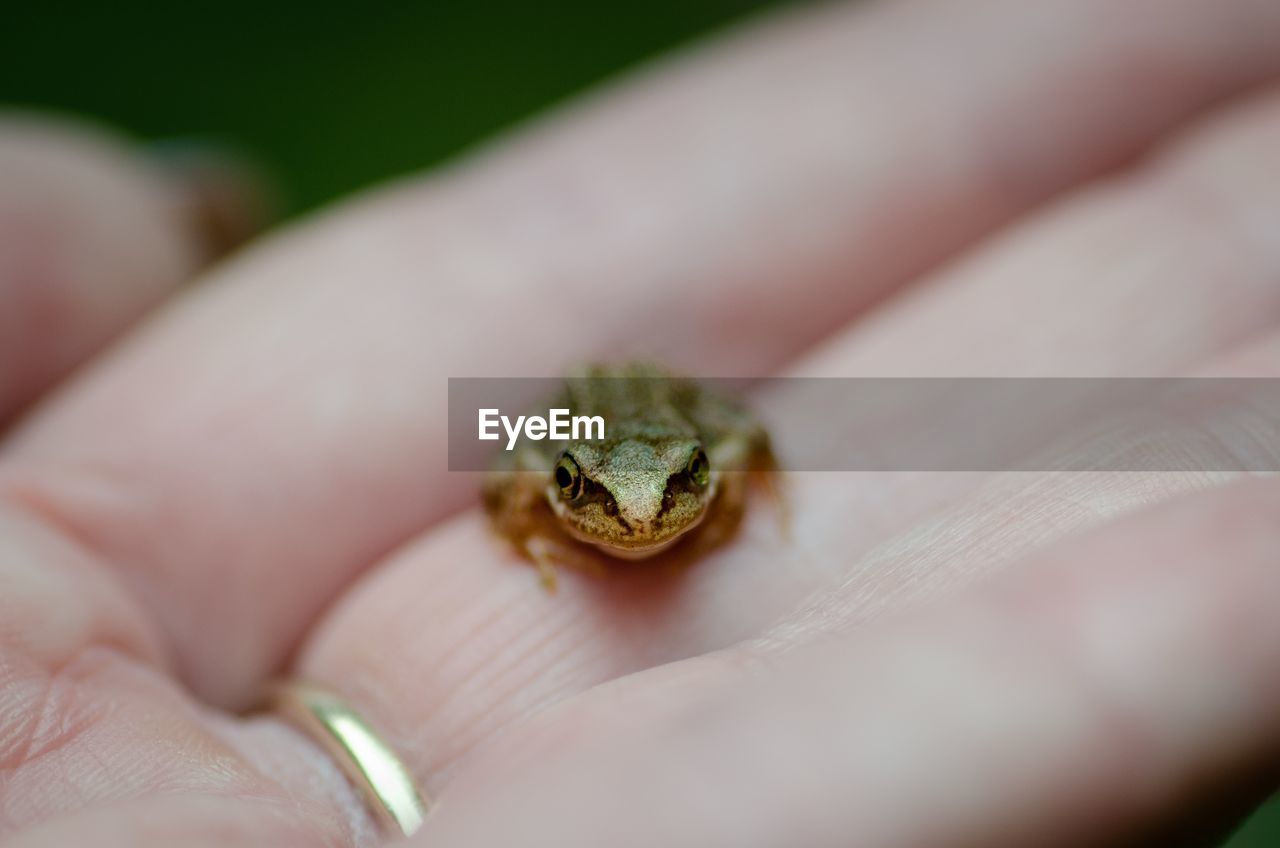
(673, 466)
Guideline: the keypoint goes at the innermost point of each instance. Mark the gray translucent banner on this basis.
(854, 424)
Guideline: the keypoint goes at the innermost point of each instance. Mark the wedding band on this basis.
(367, 761)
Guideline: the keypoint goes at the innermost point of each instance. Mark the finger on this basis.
(1227, 175)
(487, 646)
(666, 218)
(1085, 699)
(1140, 275)
(1187, 231)
(92, 234)
(1157, 272)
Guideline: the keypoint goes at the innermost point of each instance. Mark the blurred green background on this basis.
(329, 98)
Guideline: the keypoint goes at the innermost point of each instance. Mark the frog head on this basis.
(634, 496)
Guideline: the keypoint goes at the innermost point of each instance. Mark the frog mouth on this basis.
(638, 552)
(631, 548)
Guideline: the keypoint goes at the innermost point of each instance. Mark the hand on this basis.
(253, 482)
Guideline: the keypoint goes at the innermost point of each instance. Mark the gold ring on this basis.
(364, 758)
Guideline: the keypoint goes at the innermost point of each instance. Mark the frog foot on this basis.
(548, 556)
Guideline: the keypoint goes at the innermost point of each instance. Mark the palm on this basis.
(255, 481)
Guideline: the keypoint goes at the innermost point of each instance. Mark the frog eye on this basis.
(568, 477)
(699, 468)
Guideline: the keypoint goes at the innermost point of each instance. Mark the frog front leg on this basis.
(517, 507)
(765, 475)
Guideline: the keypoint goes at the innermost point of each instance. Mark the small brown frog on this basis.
(673, 466)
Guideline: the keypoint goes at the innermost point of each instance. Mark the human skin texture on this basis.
(249, 483)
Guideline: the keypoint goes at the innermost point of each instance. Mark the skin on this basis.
(931, 660)
(672, 463)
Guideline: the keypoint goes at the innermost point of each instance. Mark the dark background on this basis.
(329, 99)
